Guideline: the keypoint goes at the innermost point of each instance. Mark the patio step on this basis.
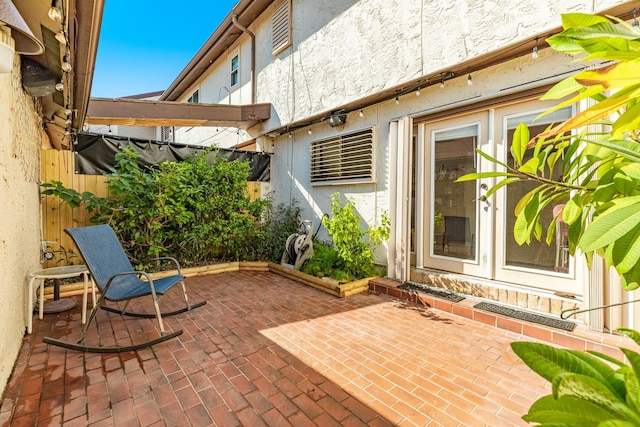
(580, 338)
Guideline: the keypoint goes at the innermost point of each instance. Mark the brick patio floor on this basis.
(266, 350)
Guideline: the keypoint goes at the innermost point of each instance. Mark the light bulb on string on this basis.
(397, 100)
(361, 114)
(534, 52)
(418, 91)
(469, 80)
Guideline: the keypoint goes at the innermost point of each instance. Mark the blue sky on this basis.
(145, 44)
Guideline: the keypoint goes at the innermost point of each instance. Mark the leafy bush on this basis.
(269, 240)
(586, 390)
(325, 262)
(350, 257)
(198, 210)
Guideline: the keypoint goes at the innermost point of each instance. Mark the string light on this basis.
(309, 131)
(418, 91)
(469, 80)
(361, 114)
(55, 14)
(442, 83)
(534, 52)
(397, 100)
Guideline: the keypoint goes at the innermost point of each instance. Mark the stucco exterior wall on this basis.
(344, 50)
(20, 142)
(214, 87)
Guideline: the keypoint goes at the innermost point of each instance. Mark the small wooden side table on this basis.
(40, 276)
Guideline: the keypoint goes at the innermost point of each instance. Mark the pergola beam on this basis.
(136, 112)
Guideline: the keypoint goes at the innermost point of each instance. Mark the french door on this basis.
(467, 233)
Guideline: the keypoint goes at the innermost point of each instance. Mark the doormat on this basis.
(438, 292)
(524, 315)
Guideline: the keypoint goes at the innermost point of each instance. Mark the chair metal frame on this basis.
(120, 282)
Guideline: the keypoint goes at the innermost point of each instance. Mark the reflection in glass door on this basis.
(454, 211)
(536, 255)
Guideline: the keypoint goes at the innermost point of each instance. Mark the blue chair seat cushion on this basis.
(127, 287)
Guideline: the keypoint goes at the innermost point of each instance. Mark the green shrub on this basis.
(198, 210)
(350, 257)
(269, 240)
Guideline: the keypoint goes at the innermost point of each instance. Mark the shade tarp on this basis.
(95, 154)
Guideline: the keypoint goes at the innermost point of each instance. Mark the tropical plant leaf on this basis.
(612, 224)
(596, 112)
(631, 333)
(628, 121)
(567, 410)
(615, 76)
(591, 390)
(549, 362)
(519, 143)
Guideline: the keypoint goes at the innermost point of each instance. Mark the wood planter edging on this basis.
(327, 286)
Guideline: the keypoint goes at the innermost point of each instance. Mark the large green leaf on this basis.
(630, 250)
(549, 362)
(519, 143)
(628, 121)
(631, 333)
(567, 410)
(612, 224)
(591, 390)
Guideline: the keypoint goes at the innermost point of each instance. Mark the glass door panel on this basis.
(453, 220)
(454, 209)
(536, 264)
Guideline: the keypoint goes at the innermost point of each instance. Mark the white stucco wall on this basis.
(341, 53)
(214, 87)
(20, 141)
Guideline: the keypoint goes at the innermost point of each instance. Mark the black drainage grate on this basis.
(437, 292)
(523, 315)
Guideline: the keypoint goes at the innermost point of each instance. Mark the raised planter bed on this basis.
(331, 287)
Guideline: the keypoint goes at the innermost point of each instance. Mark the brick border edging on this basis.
(580, 338)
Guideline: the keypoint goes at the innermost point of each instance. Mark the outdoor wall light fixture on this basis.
(336, 120)
(55, 11)
(15, 36)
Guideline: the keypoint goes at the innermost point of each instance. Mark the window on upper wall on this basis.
(346, 158)
(281, 26)
(235, 70)
(194, 97)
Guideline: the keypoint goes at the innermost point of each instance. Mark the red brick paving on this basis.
(268, 351)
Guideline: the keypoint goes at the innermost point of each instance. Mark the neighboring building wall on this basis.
(20, 144)
(214, 87)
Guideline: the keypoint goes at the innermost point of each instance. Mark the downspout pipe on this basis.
(234, 20)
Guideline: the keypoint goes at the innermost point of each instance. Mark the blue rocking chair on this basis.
(117, 281)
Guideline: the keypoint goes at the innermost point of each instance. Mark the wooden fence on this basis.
(59, 165)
